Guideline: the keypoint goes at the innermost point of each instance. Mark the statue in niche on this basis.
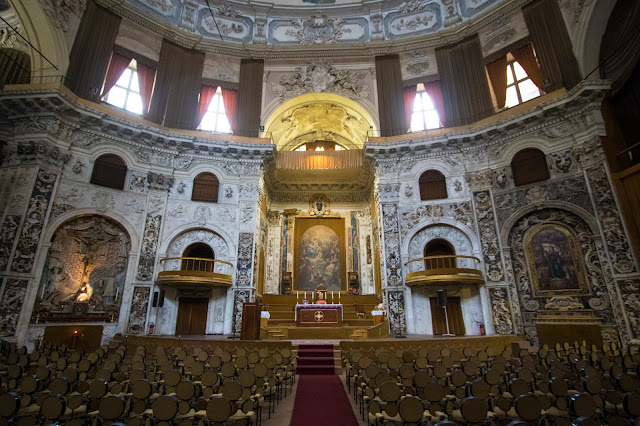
(86, 264)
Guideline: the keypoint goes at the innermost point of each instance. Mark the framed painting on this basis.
(555, 260)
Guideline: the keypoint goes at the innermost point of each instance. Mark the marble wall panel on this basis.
(245, 259)
(12, 298)
(609, 217)
(391, 234)
(7, 238)
(138, 312)
(33, 223)
(487, 226)
(149, 247)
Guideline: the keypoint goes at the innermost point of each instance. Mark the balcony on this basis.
(444, 270)
(194, 272)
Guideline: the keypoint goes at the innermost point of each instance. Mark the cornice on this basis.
(47, 111)
(538, 121)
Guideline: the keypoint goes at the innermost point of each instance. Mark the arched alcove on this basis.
(319, 117)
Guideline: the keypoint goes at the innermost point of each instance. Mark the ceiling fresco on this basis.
(307, 22)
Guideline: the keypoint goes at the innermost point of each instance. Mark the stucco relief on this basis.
(597, 297)
(240, 297)
(392, 244)
(7, 238)
(609, 218)
(461, 212)
(138, 312)
(245, 259)
(321, 77)
(456, 237)
(181, 242)
(396, 312)
(500, 310)
(12, 298)
(489, 236)
(34, 221)
(149, 247)
(86, 264)
(571, 190)
(630, 292)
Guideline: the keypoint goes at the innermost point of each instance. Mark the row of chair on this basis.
(137, 386)
(570, 384)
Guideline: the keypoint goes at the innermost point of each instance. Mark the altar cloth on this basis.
(318, 315)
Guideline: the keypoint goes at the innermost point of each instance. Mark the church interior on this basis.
(406, 212)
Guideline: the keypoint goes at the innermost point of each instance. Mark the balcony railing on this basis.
(444, 270)
(194, 272)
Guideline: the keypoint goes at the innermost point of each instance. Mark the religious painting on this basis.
(319, 259)
(86, 265)
(555, 260)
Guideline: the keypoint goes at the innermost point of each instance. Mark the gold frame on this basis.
(576, 254)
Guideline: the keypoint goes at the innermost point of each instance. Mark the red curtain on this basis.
(409, 94)
(206, 94)
(117, 66)
(434, 90)
(527, 60)
(497, 71)
(146, 77)
(230, 98)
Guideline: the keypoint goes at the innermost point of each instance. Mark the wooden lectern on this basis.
(250, 321)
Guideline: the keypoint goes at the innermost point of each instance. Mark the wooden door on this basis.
(454, 313)
(192, 316)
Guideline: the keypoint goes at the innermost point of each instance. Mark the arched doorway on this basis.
(192, 311)
(439, 254)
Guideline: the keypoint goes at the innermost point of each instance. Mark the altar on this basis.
(318, 315)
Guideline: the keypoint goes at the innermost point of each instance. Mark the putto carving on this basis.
(321, 77)
(11, 304)
(78, 167)
(103, 201)
(159, 182)
(149, 246)
(202, 214)
(318, 29)
(138, 182)
(500, 311)
(461, 212)
(60, 11)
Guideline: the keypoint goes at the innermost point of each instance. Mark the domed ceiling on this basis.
(305, 22)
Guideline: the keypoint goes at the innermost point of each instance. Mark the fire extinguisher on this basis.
(483, 331)
(150, 328)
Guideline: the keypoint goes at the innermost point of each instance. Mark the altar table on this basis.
(319, 315)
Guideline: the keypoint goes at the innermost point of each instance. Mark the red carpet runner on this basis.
(322, 401)
(320, 398)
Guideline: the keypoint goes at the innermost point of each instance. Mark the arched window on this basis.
(199, 251)
(434, 250)
(109, 170)
(424, 115)
(205, 188)
(125, 93)
(529, 166)
(433, 185)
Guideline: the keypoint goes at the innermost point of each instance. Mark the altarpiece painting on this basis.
(555, 260)
(319, 254)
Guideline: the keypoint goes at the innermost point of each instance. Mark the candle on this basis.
(332, 300)
(338, 297)
(305, 295)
